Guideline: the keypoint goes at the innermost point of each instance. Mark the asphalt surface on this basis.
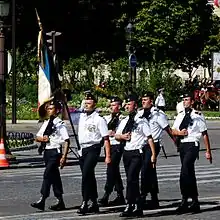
(20, 187)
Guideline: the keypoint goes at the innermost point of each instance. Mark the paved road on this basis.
(20, 187)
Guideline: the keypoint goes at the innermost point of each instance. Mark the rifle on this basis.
(129, 125)
(184, 125)
(48, 131)
(113, 123)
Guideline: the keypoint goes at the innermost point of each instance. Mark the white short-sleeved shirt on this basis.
(179, 107)
(157, 122)
(160, 101)
(108, 118)
(59, 135)
(92, 128)
(139, 134)
(196, 127)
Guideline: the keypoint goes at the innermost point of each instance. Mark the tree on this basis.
(173, 30)
(26, 74)
(212, 44)
(154, 78)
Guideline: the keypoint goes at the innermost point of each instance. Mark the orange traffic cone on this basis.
(3, 160)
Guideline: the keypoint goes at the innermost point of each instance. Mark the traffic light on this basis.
(52, 40)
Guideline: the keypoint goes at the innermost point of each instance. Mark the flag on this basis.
(44, 68)
(44, 77)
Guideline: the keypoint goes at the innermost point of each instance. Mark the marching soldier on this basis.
(157, 122)
(134, 131)
(92, 133)
(113, 168)
(190, 125)
(52, 135)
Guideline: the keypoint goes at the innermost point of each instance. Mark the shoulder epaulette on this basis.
(199, 113)
(181, 111)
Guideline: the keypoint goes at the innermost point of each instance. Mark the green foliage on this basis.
(170, 30)
(25, 111)
(160, 77)
(118, 81)
(26, 74)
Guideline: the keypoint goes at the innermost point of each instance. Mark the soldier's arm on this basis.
(176, 132)
(207, 145)
(40, 139)
(66, 146)
(152, 147)
(107, 150)
(169, 131)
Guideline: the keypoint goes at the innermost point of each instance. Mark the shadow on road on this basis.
(173, 212)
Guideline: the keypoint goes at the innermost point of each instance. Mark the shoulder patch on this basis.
(197, 112)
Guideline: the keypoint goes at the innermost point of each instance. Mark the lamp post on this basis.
(4, 11)
(14, 98)
(132, 57)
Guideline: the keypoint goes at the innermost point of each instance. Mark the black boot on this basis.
(128, 212)
(137, 211)
(94, 207)
(104, 200)
(154, 203)
(194, 206)
(142, 201)
(39, 204)
(59, 206)
(83, 209)
(183, 207)
(119, 200)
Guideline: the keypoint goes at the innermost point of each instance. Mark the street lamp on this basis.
(132, 57)
(14, 80)
(4, 11)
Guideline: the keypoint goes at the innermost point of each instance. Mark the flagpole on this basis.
(40, 44)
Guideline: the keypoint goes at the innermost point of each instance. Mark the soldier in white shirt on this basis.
(92, 134)
(160, 101)
(134, 131)
(158, 122)
(190, 125)
(113, 169)
(52, 135)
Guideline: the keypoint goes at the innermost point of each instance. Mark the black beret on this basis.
(42, 110)
(131, 97)
(160, 89)
(186, 95)
(148, 94)
(115, 99)
(90, 96)
(58, 105)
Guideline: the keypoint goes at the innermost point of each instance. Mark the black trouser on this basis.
(188, 154)
(87, 163)
(113, 170)
(149, 182)
(52, 174)
(132, 162)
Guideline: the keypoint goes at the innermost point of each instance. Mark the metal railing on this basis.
(19, 139)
